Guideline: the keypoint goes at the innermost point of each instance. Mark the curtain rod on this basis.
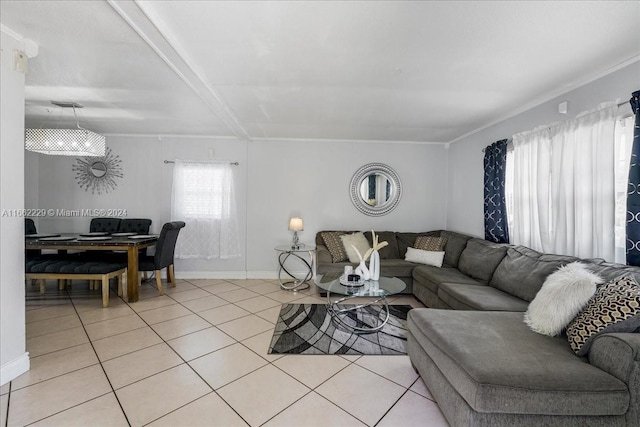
(200, 161)
(510, 143)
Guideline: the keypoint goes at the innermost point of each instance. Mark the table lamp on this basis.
(295, 224)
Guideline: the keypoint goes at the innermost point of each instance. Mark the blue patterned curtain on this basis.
(495, 206)
(372, 187)
(633, 195)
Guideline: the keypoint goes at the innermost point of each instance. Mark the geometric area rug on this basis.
(309, 329)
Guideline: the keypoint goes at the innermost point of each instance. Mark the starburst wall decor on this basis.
(98, 174)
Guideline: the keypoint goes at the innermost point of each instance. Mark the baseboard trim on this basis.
(270, 275)
(211, 275)
(240, 275)
(11, 370)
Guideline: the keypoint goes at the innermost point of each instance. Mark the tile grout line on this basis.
(353, 362)
(187, 364)
(312, 390)
(6, 420)
(248, 373)
(191, 367)
(391, 407)
(100, 362)
(81, 403)
(236, 341)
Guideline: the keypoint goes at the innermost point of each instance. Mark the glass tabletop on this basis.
(370, 288)
(303, 248)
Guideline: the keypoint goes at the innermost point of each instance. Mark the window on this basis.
(566, 185)
(203, 197)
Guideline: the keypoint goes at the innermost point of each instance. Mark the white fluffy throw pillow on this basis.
(420, 256)
(359, 241)
(563, 294)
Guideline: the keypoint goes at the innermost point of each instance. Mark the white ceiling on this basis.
(391, 71)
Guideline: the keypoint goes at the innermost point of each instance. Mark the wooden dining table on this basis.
(85, 242)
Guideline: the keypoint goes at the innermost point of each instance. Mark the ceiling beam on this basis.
(160, 42)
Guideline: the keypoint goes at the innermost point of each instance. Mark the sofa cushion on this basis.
(431, 277)
(523, 271)
(334, 244)
(391, 250)
(408, 240)
(473, 297)
(430, 243)
(564, 259)
(456, 243)
(498, 365)
(480, 258)
(610, 270)
(396, 268)
(615, 307)
(388, 267)
(333, 267)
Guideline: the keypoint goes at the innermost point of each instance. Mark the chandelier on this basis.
(65, 142)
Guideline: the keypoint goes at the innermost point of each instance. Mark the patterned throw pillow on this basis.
(334, 245)
(430, 243)
(615, 307)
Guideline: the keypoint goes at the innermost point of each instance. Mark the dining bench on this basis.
(62, 268)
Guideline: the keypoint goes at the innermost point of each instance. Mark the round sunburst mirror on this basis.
(98, 174)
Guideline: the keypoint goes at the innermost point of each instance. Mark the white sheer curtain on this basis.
(624, 142)
(531, 189)
(563, 195)
(203, 197)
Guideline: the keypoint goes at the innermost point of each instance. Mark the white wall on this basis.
(465, 180)
(144, 191)
(14, 360)
(311, 180)
(274, 181)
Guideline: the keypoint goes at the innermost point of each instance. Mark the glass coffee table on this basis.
(378, 290)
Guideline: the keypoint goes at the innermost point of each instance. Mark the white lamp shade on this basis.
(295, 224)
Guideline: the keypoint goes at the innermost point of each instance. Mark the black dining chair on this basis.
(30, 228)
(108, 225)
(134, 225)
(163, 258)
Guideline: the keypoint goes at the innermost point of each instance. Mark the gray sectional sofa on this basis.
(482, 363)
(392, 261)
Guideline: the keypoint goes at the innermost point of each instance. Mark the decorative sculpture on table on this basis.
(374, 262)
(373, 272)
(362, 270)
(98, 173)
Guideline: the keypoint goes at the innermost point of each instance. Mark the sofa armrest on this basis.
(323, 254)
(619, 355)
(616, 353)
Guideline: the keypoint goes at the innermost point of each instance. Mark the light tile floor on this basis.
(197, 356)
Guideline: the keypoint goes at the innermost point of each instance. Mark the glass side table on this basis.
(296, 281)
